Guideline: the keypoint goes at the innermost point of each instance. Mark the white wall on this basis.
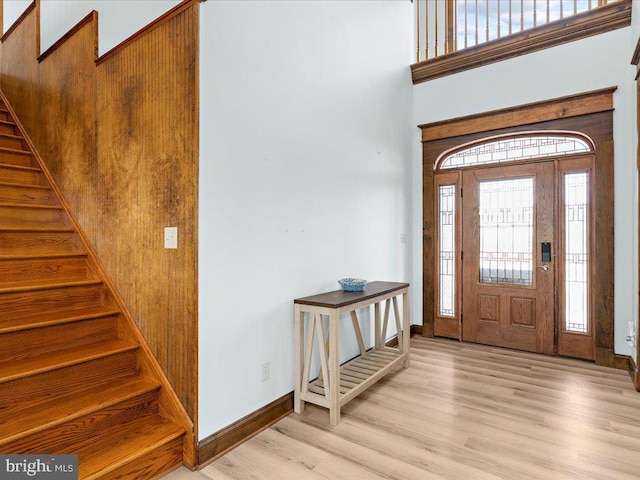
(305, 164)
(635, 35)
(11, 10)
(117, 19)
(635, 23)
(589, 64)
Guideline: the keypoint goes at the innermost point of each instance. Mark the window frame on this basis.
(438, 165)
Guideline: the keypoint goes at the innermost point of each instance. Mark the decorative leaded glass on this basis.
(447, 242)
(506, 231)
(516, 148)
(576, 251)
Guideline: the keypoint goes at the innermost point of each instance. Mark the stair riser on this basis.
(71, 269)
(65, 380)
(29, 243)
(158, 462)
(17, 217)
(15, 143)
(5, 116)
(24, 344)
(23, 177)
(9, 129)
(22, 304)
(26, 195)
(68, 437)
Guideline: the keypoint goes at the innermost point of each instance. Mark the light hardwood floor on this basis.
(461, 411)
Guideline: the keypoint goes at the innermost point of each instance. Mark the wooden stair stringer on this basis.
(169, 405)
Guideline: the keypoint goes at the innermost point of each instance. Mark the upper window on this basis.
(479, 21)
(455, 35)
(509, 148)
(446, 26)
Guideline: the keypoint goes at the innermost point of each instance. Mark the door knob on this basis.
(545, 268)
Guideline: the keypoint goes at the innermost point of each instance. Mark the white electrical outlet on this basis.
(170, 237)
(266, 371)
(403, 238)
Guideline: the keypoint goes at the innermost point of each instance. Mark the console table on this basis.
(336, 385)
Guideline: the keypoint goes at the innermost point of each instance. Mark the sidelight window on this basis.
(576, 251)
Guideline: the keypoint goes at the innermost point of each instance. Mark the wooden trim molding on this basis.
(625, 362)
(586, 103)
(593, 22)
(164, 18)
(221, 442)
(92, 17)
(15, 24)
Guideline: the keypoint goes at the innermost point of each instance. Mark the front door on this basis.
(508, 256)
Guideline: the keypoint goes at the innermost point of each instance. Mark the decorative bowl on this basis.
(352, 284)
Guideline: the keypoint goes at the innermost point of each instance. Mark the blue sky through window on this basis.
(522, 17)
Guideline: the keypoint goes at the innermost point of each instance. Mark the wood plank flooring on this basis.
(461, 411)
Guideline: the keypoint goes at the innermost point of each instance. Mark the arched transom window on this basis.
(510, 148)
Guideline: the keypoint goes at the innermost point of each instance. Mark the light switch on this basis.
(170, 237)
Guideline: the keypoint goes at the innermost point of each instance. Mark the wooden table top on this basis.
(340, 298)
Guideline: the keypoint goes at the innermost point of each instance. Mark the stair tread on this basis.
(10, 371)
(25, 185)
(117, 448)
(34, 418)
(55, 318)
(20, 167)
(30, 284)
(31, 224)
(49, 284)
(31, 206)
(15, 137)
(15, 150)
(43, 256)
(37, 229)
(8, 122)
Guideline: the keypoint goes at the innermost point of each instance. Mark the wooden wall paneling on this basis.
(65, 134)
(18, 48)
(121, 141)
(147, 176)
(598, 125)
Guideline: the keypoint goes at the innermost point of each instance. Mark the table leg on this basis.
(298, 326)
(406, 334)
(376, 325)
(334, 368)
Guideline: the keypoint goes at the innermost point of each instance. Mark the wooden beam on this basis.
(562, 107)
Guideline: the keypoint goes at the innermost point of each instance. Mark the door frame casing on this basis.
(589, 113)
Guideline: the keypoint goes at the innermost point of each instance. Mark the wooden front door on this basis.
(508, 272)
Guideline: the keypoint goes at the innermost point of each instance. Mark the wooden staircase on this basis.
(75, 373)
